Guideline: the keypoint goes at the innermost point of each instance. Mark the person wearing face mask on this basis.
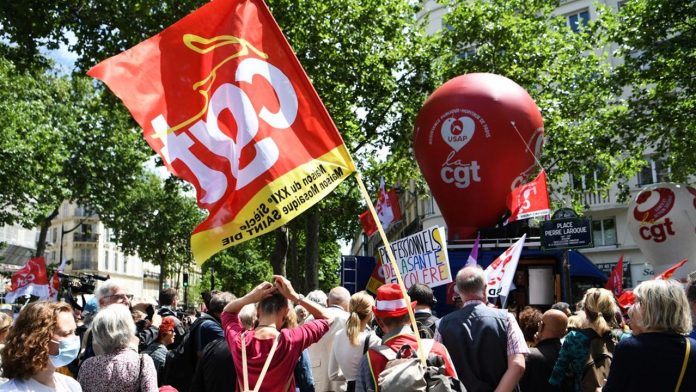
(41, 340)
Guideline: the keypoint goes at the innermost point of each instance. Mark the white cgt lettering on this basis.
(208, 133)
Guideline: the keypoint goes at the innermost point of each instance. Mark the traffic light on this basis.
(186, 279)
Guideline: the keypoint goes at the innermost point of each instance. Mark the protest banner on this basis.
(223, 99)
(421, 258)
(31, 279)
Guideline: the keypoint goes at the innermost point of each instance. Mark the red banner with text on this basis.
(222, 98)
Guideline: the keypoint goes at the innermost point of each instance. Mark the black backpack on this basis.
(181, 362)
(426, 325)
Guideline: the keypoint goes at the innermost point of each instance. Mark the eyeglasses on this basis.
(128, 297)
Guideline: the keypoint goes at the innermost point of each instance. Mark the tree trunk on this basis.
(163, 271)
(293, 266)
(41, 242)
(312, 249)
(280, 251)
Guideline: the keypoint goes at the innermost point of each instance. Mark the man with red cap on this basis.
(391, 313)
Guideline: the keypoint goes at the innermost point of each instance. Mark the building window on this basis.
(604, 231)
(54, 237)
(115, 261)
(655, 171)
(125, 264)
(578, 19)
(106, 260)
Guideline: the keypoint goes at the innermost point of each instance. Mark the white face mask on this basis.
(67, 351)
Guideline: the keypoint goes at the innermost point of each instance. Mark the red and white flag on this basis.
(529, 200)
(29, 280)
(615, 282)
(223, 99)
(387, 209)
(501, 271)
(54, 287)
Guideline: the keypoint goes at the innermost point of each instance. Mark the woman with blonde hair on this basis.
(353, 341)
(599, 307)
(42, 340)
(661, 357)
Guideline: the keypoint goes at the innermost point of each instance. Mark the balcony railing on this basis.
(594, 199)
(85, 237)
(85, 265)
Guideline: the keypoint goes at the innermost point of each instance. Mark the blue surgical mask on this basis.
(67, 351)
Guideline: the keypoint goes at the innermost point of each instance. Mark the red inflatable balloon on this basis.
(467, 146)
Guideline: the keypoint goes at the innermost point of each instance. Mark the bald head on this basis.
(553, 325)
(339, 296)
(471, 283)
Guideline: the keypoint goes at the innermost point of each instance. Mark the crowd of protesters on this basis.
(274, 339)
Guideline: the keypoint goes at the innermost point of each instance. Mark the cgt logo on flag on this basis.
(222, 98)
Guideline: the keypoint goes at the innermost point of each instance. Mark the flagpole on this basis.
(392, 260)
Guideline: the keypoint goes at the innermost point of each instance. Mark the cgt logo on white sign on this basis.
(457, 130)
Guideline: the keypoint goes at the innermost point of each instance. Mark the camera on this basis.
(80, 284)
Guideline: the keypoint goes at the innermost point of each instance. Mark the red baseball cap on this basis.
(390, 302)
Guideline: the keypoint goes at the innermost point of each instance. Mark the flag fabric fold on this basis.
(29, 280)
(615, 282)
(224, 101)
(529, 200)
(472, 260)
(671, 270)
(500, 273)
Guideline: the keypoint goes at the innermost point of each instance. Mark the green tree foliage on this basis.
(566, 72)
(657, 40)
(59, 142)
(154, 219)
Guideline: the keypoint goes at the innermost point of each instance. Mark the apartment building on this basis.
(609, 216)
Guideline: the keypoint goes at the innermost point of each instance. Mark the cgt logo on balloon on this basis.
(651, 206)
(457, 130)
(474, 141)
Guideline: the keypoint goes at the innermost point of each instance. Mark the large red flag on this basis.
(529, 200)
(615, 282)
(29, 280)
(222, 98)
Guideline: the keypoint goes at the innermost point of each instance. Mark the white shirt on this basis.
(320, 352)
(63, 384)
(346, 358)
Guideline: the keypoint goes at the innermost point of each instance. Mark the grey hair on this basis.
(113, 328)
(663, 306)
(318, 296)
(219, 300)
(471, 282)
(247, 315)
(106, 289)
(339, 296)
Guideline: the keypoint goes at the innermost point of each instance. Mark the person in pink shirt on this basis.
(257, 345)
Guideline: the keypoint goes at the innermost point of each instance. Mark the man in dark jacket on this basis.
(486, 344)
(425, 300)
(540, 361)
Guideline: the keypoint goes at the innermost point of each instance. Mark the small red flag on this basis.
(529, 200)
(668, 273)
(615, 282)
(29, 280)
(368, 223)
